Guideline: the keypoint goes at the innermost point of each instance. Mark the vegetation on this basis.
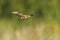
(46, 26)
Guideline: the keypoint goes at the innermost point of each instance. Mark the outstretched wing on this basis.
(17, 13)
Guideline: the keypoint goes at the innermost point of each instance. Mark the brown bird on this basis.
(24, 16)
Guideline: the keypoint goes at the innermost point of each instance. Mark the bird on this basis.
(24, 16)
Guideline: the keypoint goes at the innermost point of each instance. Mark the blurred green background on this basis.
(43, 27)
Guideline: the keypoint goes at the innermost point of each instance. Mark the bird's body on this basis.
(24, 16)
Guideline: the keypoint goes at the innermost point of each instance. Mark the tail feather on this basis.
(34, 14)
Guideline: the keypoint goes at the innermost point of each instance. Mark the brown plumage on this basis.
(24, 16)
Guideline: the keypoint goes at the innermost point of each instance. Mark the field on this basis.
(43, 27)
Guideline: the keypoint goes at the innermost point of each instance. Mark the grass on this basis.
(42, 31)
(44, 27)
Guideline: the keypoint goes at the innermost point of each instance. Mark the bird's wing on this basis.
(19, 15)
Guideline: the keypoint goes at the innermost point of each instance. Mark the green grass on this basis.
(43, 27)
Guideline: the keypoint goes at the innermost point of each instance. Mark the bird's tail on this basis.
(35, 14)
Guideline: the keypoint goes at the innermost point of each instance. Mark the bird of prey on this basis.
(24, 16)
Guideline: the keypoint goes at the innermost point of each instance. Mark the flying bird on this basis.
(24, 16)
